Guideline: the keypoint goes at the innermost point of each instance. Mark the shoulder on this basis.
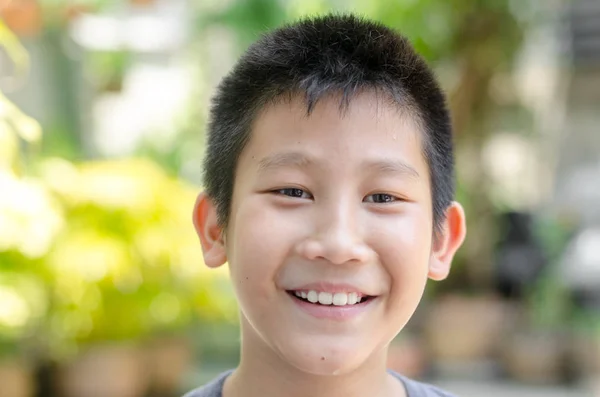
(212, 389)
(419, 389)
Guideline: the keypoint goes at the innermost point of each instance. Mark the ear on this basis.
(209, 231)
(447, 242)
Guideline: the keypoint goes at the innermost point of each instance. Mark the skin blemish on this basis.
(322, 358)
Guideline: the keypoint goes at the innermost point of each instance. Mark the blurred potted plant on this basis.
(22, 307)
(585, 345)
(123, 272)
(464, 332)
(126, 272)
(536, 350)
(30, 222)
(101, 295)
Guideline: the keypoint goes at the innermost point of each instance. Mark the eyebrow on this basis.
(286, 159)
(300, 160)
(393, 166)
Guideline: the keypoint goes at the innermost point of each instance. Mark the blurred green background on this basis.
(102, 116)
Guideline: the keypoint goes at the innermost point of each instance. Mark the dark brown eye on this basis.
(293, 192)
(380, 198)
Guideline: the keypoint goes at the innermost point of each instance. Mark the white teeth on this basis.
(352, 298)
(312, 296)
(340, 299)
(325, 298)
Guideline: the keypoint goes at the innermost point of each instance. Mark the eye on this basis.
(293, 192)
(381, 198)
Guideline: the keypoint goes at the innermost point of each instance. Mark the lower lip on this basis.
(332, 312)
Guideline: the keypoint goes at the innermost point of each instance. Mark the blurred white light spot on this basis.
(14, 311)
(152, 98)
(142, 33)
(97, 32)
(580, 265)
(29, 220)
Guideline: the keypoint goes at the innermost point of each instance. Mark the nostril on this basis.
(311, 250)
(334, 248)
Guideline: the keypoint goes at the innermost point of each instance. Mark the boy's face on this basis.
(329, 206)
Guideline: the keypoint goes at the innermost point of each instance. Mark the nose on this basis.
(336, 237)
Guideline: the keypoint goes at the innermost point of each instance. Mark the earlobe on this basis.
(208, 230)
(447, 242)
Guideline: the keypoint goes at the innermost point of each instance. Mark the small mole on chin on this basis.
(322, 358)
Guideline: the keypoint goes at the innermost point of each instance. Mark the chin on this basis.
(325, 367)
(325, 360)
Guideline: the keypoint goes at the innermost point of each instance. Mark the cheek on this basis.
(404, 247)
(259, 246)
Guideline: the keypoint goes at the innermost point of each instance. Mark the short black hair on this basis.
(314, 57)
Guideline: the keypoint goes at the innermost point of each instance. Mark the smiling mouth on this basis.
(330, 299)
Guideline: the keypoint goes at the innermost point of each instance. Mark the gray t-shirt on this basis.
(413, 388)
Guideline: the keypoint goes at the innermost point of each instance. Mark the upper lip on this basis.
(332, 288)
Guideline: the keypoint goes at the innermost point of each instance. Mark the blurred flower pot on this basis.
(22, 16)
(16, 379)
(106, 371)
(535, 357)
(585, 356)
(406, 356)
(461, 329)
(168, 360)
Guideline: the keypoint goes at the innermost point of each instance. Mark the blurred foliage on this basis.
(548, 300)
(15, 51)
(128, 264)
(247, 19)
(108, 68)
(15, 126)
(96, 251)
(103, 251)
(57, 13)
(20, 288)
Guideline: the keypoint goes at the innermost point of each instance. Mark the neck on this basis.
(263, 373)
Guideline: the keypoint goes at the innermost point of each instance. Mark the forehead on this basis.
(369, 129)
